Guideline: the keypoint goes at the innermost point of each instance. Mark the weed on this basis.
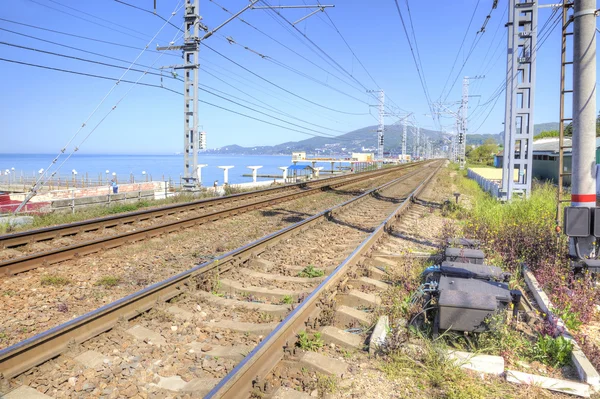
(326, 384)
(109, 281)
(571, 319)
(311, 272)
(554, 352)
(9, 293)
(287, 300)
(308, 342)
(265, 317)
(54, 280)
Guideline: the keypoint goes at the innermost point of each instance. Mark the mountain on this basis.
(364, 140)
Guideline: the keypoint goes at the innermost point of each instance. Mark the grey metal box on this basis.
(577, 221)
(472, 270)
(464, 255)
(465, 304)
(596, 222)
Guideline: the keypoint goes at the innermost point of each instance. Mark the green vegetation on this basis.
(554, 352)
(547, 134)
(109, 281)
(483, 154)
(569, 317)
(287, 300)
(326, 384)
(54, 280)
(309, 342)
(310, 271)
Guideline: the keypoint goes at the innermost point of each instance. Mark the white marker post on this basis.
(199, 173)
(225, 173)
(285, 172)
(254, 172)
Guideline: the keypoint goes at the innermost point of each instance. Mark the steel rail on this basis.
(46, 258)
(52, 232)
(265, 356)
(46, 345)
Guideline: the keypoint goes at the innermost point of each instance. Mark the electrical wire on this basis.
(286, 47)
(419, 72)
(85, 37)
(292, 69)
(150, 12)
(43, 178)
(460, 48)
(278, 86)
(84, 60)
(87, 20)
(97, 17)
(75, 48)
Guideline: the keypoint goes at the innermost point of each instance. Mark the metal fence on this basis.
(490, 186)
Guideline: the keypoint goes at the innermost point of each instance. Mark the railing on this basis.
(490, 186)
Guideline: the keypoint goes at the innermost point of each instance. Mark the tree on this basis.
(569, 127)
(484, 154)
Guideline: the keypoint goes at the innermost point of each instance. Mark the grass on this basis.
(54, 280)
(287, 300)
(51, 219)
(108, 281)
(311, 272)
(309, 342)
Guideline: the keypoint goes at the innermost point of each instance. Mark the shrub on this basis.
(555, 352)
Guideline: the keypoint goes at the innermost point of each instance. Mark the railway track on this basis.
(65, 242)
(204, 324)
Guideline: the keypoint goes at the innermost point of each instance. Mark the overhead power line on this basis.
(84, 37)
(278, 86)
(75, 48)
(87, 20)
(462, 43)
(412, 52)
(150, 12)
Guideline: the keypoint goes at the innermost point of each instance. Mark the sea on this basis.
(156, 167)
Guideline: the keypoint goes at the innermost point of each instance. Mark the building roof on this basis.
(300, 167)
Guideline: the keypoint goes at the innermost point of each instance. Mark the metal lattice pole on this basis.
(381, 127)
(190, 109)
(463, 122)
(520, 81)
(404, 129)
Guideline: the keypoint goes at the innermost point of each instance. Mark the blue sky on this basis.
(40, 110)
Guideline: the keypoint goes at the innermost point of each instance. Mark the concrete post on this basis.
(225, 173)
(285, 171)
(254, 172)
(199, 173)
(583, 182)
(584, 104)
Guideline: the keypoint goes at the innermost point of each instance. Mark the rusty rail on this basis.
(239, 382)
(35, 350)
(47, 258)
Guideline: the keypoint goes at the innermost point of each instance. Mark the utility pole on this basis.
(191, 62)
(462, 137)
(583, 183)
(193, 140)
(584, 104)
(520, 90)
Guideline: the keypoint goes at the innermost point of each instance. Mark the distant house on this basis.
(545, 159)
(297, 173)
(498, 159)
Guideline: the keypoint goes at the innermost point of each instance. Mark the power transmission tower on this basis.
(520, 90)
